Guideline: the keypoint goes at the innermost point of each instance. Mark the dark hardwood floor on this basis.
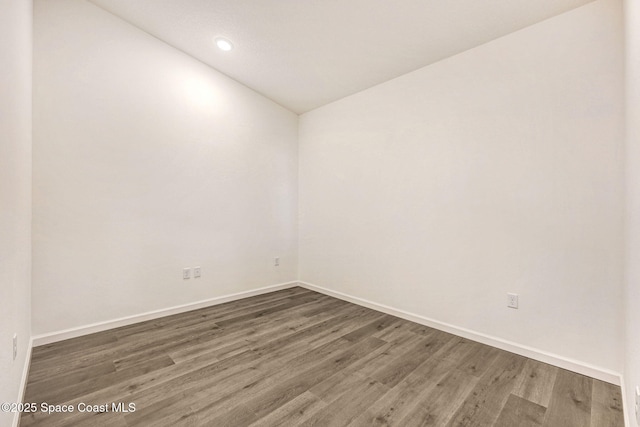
(299, 358)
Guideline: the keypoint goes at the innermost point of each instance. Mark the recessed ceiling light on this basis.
(224, 44)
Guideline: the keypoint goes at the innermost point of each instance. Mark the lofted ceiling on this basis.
(303, 54)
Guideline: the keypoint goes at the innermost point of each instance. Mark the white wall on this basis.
(15, 195)
(147, 161)
(497, 170)
(632, 270)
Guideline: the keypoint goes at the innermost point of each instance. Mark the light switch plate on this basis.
(512, 300)
(638, 404)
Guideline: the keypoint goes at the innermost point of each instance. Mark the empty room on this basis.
(296, 213)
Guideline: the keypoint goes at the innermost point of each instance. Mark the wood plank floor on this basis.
(299, 358)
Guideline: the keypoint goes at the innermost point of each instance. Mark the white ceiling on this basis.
(305, 53)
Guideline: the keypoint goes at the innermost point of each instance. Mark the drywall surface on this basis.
(15, 196)
(497, 170)
(632, 265)
(147, 161)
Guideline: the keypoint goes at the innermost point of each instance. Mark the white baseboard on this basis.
(23, 381)
(523, 350)
(48, 338)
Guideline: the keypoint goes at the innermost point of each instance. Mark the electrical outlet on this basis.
(638, 404)
(276, 261)
(512, 300)
(196, 272)
(15, 346)
(186, 273)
